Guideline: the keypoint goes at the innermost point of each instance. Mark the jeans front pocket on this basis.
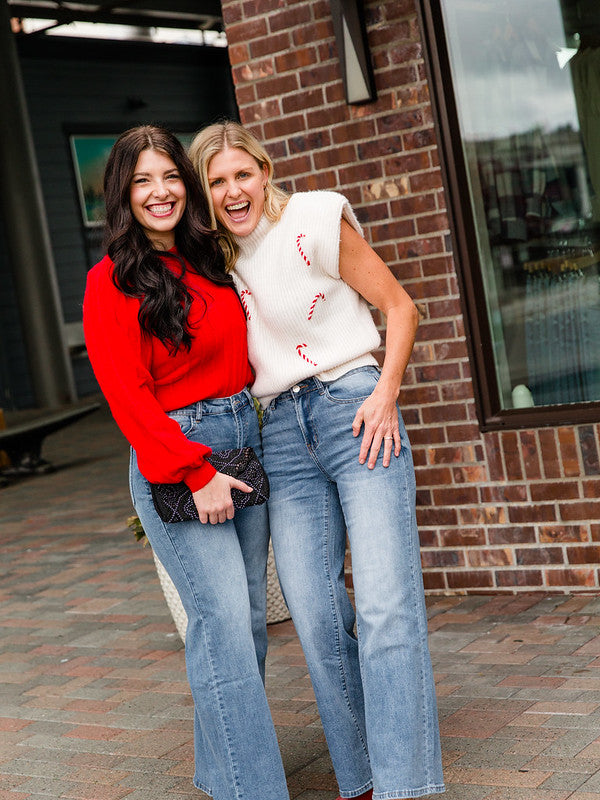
(184, 419)
(354, 386)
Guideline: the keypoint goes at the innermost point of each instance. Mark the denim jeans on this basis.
(375, 689)
(220, 574)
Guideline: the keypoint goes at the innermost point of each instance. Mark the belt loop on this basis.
(237, 401)
(198, 410)
(319, 385)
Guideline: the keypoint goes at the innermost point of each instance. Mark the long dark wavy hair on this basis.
(139, 269)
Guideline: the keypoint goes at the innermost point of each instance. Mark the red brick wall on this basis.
(516, 510)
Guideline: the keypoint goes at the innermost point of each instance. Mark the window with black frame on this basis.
(526, 81)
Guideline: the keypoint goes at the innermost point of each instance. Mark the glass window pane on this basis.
(526, 76)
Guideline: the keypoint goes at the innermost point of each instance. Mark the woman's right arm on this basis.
(114, 343)
(165, 455)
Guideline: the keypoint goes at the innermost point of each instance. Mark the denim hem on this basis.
(357, 792)
(437, 788)
(199, 785)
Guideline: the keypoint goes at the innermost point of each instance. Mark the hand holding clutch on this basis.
(174, 502)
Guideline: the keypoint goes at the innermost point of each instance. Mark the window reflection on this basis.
(527, 82)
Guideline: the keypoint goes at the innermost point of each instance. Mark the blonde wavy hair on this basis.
(216, 138)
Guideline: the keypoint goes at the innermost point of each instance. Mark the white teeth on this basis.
(236, 206)
(160, 209)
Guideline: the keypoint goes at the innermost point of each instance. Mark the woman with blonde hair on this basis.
(338, 459)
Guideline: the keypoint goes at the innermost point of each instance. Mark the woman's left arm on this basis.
(363, 270)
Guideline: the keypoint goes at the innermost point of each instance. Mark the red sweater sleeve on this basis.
(115, 346)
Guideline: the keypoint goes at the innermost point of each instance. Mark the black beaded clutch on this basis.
(174, 502)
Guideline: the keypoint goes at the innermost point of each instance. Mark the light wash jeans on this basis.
(220, 574)
(375, 689)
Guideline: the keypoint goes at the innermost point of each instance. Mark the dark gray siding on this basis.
(15, 386)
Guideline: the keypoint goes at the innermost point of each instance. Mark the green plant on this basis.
(135, 526)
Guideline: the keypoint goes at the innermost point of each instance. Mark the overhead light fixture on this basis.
(353, 49)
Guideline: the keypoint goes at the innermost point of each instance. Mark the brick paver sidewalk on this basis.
(94, 704)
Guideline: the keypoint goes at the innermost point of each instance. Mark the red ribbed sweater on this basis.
(141, 381)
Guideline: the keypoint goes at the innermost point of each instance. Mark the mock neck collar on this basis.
(250, 243)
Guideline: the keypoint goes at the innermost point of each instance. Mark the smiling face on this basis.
(157, 196)
(237, 187)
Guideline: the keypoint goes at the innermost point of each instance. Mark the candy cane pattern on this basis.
(299, 348)
(314, 303)
(300, 250)
(243, 302)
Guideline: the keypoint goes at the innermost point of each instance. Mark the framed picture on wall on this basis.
(90, 153)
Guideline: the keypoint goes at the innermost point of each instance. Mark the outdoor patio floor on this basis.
(94, 702)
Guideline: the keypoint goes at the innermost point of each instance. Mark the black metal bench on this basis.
(22, 442)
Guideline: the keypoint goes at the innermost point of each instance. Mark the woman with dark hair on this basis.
(166, 336)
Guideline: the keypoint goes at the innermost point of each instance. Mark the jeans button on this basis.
(295, 389)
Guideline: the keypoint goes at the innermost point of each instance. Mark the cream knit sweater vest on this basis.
(303, 319)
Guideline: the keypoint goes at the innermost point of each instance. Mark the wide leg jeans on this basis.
(220, 574)
(374, 688)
